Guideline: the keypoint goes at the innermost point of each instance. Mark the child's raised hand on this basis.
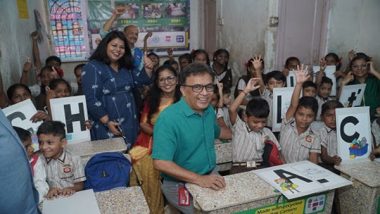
(257, 63)
(27, 65)
(219, 85)
(119, 10)
(148, 63)
(252, 85)
(351, 54)
(302, 74)
(170, 52)
(348, 78)
(148, 35)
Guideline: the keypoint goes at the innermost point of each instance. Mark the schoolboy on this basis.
(309, 89)
(298, 141)
(324, 91)
(273, 79)
(65, 174)
(249, 134)
(38, 169)
(327, 134)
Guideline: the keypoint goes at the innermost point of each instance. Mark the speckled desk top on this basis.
(223, 152)
(90, 148)
(365, 171)
(240, 189)
(122, 200)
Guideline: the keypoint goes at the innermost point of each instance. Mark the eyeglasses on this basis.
(197, 88)
(359, 66)
(169, 79)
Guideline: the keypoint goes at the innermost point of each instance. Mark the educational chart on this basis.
(302, 178)
(72, 111)
(281, 103)
(353, 133)
(168, 20)
(68, 30)
(352, 95)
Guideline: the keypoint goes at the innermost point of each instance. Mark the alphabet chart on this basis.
(299, 179)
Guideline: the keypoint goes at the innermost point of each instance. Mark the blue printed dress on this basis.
(110, 93)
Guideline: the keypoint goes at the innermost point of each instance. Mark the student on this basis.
(19, 92)
(217, 103)
(327, 134)
(223, 73)
(155, 59)
(184, 60)
(273, 79)
(172, 63)
(249, 133)
(222, 110)
(78, 76)
(38, 169)
(200, 56)
(363, 71)
(309, 89)
(65, 174)
(298, 141)
(324, 91)
(291, 63)
(255, 68)
(58, 88)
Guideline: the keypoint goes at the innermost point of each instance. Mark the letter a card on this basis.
(353, 133)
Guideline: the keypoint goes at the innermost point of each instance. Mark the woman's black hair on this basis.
(154, 94)
(100, 53)
(11, 90)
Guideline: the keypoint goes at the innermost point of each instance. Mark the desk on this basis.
(122, 200)
(223, 155)
(244, 191)
(90, 148)
(363, 195)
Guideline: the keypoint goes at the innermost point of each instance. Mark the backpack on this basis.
(271, 155)
(106, 171)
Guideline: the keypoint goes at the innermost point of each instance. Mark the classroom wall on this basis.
(354, 24)
(15, 42)
(243, 29)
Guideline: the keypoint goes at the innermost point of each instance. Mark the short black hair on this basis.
(257, 107)
(195, 69)
(289, 59)
(11, 90)
(310, 103)
(331, 104)
(80, 66)
(55, 82)
(326, 80)
(277, 75)
(55, 128)
(53, 59)
(308, 84)
(200, 51)
(170, 62)
(23, 134)
(186, 56)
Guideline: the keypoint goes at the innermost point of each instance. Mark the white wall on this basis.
(245, 31)
(15, 42)
(354, 24)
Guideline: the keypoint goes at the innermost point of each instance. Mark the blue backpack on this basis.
(106, 171)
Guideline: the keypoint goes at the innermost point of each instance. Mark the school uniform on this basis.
(268, 96)
(320, 101)
(223, 112)
(64, 171)
(297, 147)
(39, 176)
(248, 145)
(328, 140)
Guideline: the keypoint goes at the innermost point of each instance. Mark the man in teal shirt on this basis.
(183, 136)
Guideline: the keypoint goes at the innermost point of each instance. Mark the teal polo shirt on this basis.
(186, 138)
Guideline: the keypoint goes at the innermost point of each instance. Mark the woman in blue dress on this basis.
(107, 83)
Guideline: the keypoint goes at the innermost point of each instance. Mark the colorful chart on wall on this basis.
(68, 30)
(168, 20)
